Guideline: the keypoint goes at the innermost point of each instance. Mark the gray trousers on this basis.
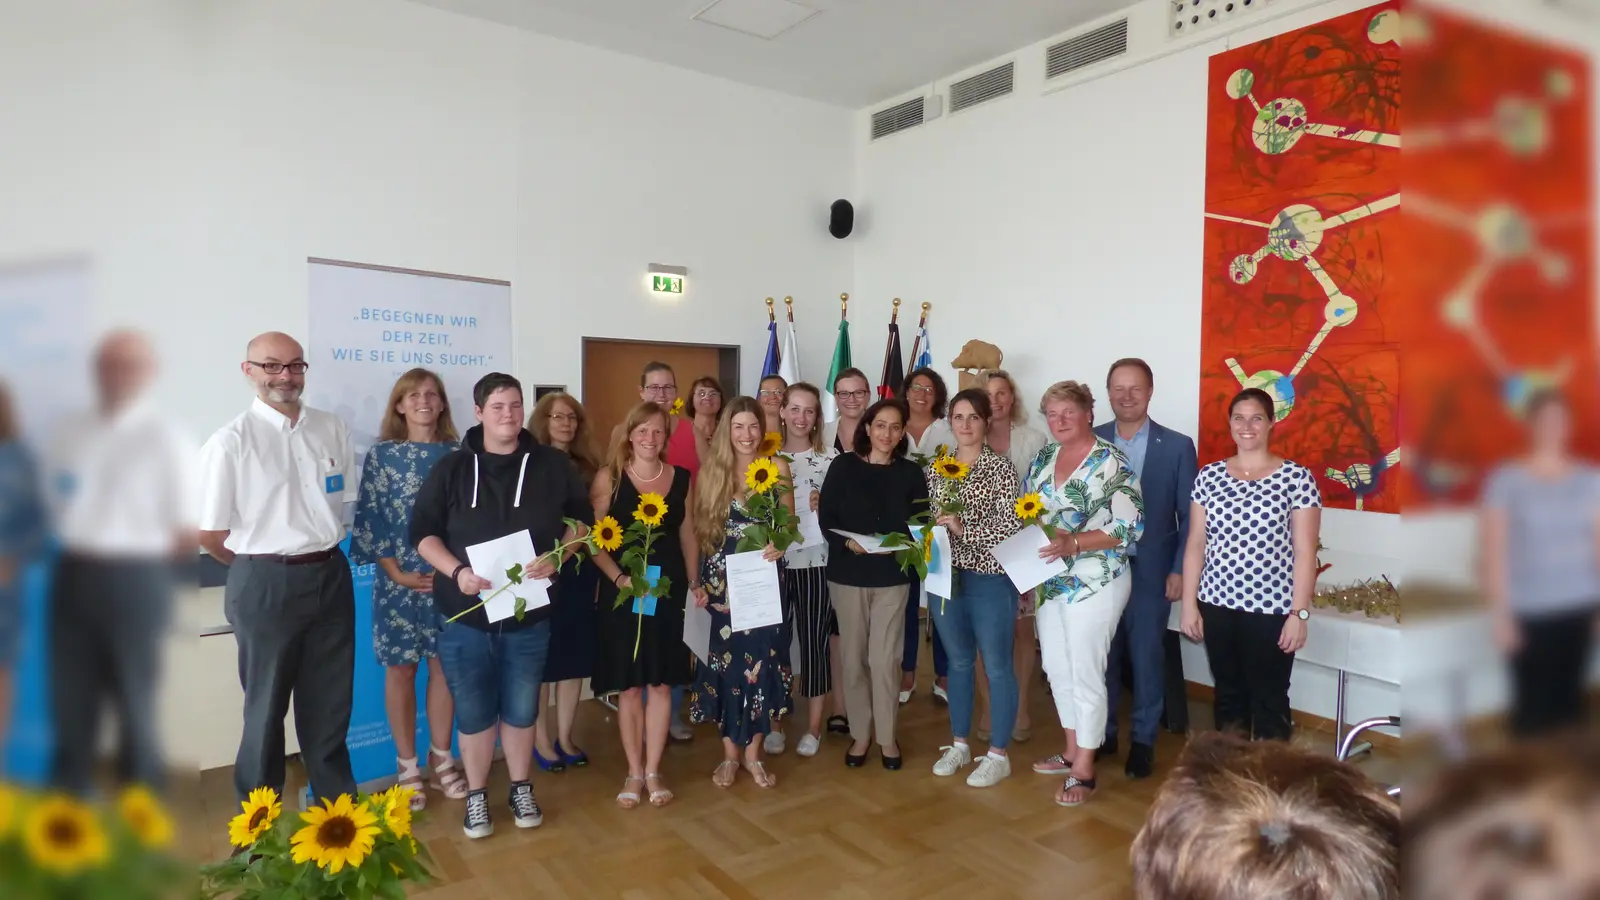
(108, 622)
(296, 631)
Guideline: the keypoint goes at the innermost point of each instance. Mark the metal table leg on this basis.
(1339, 718)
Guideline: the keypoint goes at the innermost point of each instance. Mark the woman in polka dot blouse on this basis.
(1250, 570)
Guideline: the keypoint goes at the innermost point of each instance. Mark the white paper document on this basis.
(868, 542)
(491, 559)
(697, 630)
(753, 597)
(1019, 556)
(810, 529)
(940, 580)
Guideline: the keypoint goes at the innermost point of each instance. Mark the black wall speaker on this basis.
(841, 219)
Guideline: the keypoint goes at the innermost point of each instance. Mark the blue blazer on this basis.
(1166, 484)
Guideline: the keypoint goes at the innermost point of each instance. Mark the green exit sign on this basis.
(666, 284)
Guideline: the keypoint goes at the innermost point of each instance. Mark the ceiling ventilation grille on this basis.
(898, 117)
(1191, 16)
(1086, 49)
(997, 82)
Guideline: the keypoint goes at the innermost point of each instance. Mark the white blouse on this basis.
(808, 468)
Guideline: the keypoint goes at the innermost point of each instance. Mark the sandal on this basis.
(447, 777)
(1053, 765)
(1074, 781)
(838, 725)
(731, 766)
(629, 799)
(410, 777)
(758, 772)
(658, 798)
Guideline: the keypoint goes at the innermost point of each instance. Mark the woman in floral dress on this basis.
(745, 688)
(416, 433)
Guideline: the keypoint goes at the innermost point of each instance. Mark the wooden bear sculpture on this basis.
(975, 357)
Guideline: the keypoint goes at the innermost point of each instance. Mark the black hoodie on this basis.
(472, 496)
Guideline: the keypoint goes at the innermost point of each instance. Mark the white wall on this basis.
(198, 153)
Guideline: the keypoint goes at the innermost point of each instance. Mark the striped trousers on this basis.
(810, 614)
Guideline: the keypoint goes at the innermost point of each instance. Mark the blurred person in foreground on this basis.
(118, 479)
(271, 510)
(1523, 822)
(22, 531)
(1541, 569)
(1241, 820)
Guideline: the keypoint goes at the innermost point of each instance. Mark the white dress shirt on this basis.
(277, 488)
(121, 486)
(938, 432)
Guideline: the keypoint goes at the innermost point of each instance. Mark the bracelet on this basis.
(1077, 548)
(617, 581)
(457, 574)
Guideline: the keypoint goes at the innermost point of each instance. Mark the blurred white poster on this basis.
(370, 326)
(44, 342)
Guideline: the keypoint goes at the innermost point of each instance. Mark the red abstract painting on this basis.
(1300, 293)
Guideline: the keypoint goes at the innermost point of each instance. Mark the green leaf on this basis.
(521, 608)
(514, 574)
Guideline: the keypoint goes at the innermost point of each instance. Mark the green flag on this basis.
(841, 361)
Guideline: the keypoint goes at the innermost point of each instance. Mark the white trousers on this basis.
(1074, 639)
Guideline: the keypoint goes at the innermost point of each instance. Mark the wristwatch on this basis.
(1302, 614)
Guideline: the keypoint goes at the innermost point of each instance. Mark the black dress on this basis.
(572, 623)
(663, 657)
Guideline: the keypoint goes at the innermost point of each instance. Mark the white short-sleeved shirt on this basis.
(277, 488)
(808, 468)
(121, 486)
(1249, 561)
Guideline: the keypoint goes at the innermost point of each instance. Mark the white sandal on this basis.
(447, 777)
(411, 777)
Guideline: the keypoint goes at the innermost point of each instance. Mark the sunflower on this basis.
(607, 534)
(1029, 506)
(771, 443)
(676, 409)
(761, 475)
(336, 834)
(927, 545)
(951, 468)
(652, 508)
(395, 804)
(145, 817)
(10, 810)
(64, 836)
(260, 811)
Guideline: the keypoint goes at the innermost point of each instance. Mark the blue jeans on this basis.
(981, 617)
(908, 659)
(494, 675)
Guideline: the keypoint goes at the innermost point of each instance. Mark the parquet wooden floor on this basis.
(825, 831)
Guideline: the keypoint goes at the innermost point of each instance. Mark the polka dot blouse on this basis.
(1249, 561)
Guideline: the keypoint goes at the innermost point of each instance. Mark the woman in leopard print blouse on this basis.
(981, 614)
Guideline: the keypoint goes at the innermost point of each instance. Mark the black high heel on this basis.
(892, 763)
(854, 761)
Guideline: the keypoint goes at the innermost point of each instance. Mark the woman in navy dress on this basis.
(22, 532)
(559, 420)
(416, 433)
(745, 687)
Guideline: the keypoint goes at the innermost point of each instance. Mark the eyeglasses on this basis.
(563, 417)
(296, 368)
(921, 389)
(661, 388)
(707, 394)
(769, 393)
(852, 395)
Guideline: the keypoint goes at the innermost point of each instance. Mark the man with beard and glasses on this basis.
(272, 498)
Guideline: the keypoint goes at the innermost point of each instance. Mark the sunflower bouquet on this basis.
(946, 498)
(774, 524)
(350, 848)
(636, 542)
(1030, 511)
(771, 443)
(53, 847)
(515, 575)
(924, 460)
(914, 554)
(676, 409)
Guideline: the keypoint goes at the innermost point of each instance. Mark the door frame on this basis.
(728, 359)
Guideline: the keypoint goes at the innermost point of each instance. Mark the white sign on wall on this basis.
(44, 343)
(370, 325)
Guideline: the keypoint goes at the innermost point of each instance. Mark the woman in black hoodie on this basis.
(500, 482)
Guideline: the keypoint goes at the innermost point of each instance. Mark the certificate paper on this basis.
(1019, 556)
(491, 559)
(810, 529)
(939, 582)
(753, 598)
(868, 542)
(697, 630)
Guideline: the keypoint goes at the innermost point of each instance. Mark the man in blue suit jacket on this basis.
(1164, 460)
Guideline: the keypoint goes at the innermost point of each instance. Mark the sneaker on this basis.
(678, 731)
(1054, 765)
(524, 808)
(955, 756)
(990, 771)
(774, 743)
(477, 823)
(809, 745)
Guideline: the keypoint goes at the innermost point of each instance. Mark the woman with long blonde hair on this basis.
(640, 652)
(415, 434)
(558, 420)
(745, 687)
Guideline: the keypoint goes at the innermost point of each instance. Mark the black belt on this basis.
(295, 559)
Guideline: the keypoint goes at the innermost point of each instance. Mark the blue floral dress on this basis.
(405, 623)
(745, 689)
(22, 533)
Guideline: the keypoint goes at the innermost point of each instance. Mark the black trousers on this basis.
(1250, 672)
(1547, 673)
(296, 628)
(108, 624)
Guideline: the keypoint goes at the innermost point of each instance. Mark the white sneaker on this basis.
(774, 743)
(679, 731)
(955, 756)
(808, 746)
(990, 771)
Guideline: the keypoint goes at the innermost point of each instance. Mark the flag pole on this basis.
(916, 342)
(788, 303)
(771, 318)
(844, 306)
(888, 342)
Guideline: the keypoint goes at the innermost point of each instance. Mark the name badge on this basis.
(335, 483)
(647, 605)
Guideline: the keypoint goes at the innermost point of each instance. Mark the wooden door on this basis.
(611, 376)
